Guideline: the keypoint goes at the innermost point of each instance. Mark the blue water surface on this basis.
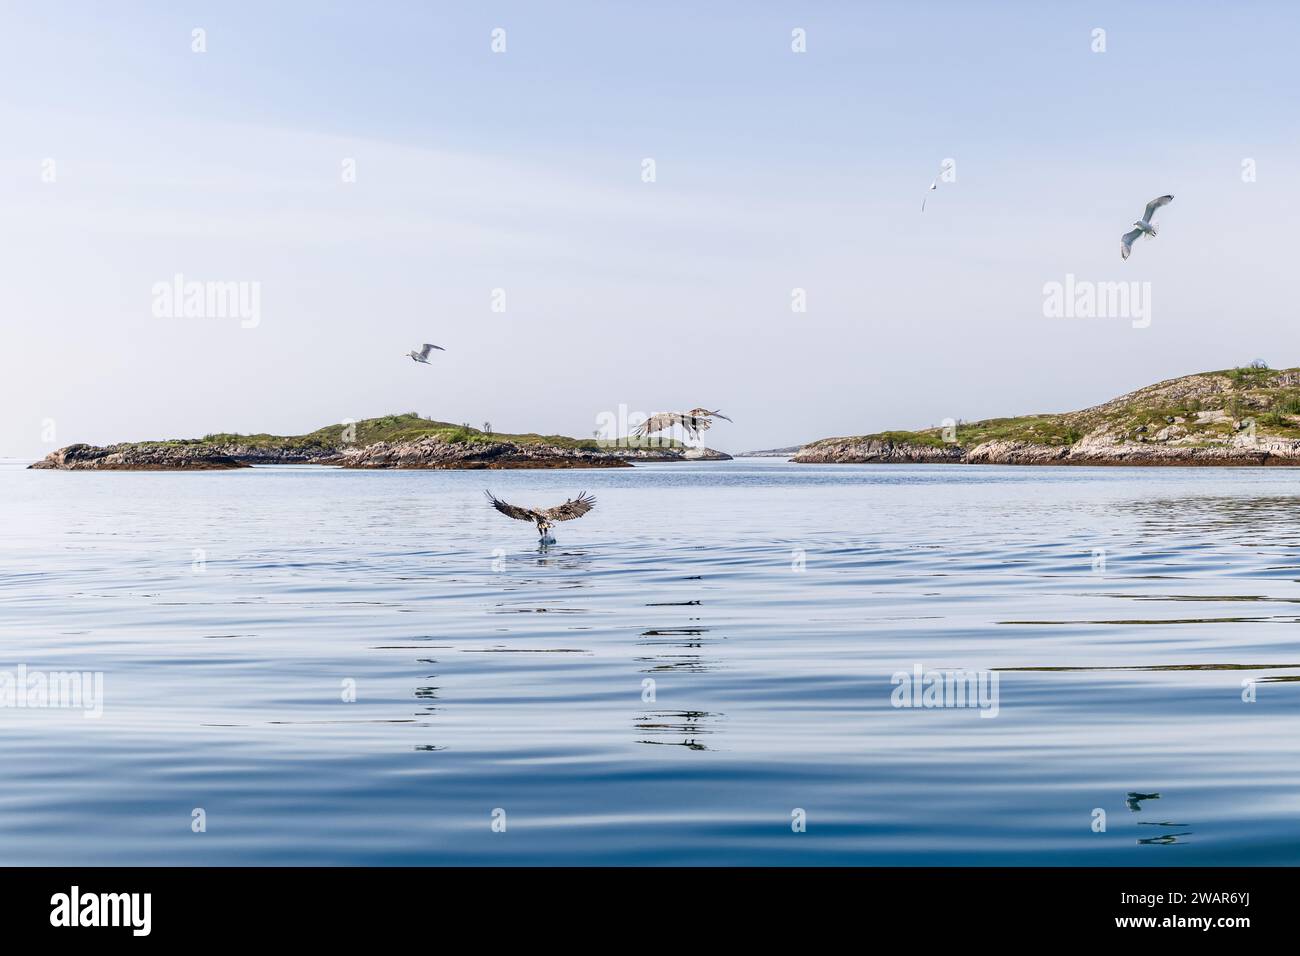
(701, 661)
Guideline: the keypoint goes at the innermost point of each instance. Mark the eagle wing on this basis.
(658, 422)
(1155, 204)
(512, 511)
(573, 508)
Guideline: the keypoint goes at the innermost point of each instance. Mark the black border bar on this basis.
(333, 905)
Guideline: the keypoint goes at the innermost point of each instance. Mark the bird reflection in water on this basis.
(688, 724)
(1134, 800)
(428, 695)
(1164, 839)
(691, 639)
(547, 557)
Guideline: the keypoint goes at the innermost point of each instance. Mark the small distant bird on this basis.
(1143, 226)
(694, 421)
(935, 183)
(423, 354)
(573, 508)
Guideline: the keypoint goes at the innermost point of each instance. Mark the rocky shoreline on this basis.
(424, 453)
(1246, 416)
(1019, 453)
(433, 453)
(137, 457)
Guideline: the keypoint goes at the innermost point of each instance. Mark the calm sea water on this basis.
(770, 604)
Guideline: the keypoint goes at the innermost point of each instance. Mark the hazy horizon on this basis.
(522, 171)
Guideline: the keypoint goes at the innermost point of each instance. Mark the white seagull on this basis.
(423, 354)
(1143, 226)
(935, 183)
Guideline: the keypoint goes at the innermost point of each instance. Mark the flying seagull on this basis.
(694, 421)
(573, 508)
(423, 354)
(935, 183)
(1142, 226)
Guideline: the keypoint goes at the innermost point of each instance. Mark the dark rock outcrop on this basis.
(138, 457)
(432, 452)
(669, 454)
(279, 455)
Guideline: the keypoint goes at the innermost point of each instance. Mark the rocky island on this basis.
(394, 441)
(1240, 416)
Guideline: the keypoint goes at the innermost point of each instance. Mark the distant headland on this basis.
(394, 441)
(1240, 416)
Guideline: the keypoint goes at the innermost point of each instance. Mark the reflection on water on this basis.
(1164, 839)
(687, 724)
(1166, 667)
(368, 663)
(1200, 514)
(1135, 801)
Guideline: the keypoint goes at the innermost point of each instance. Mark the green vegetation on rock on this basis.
(410, 427)
(1199, 410)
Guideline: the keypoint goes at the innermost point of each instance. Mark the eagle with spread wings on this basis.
(694, 421)
(545, 517)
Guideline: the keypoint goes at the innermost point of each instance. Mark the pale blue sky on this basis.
(522, 171)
